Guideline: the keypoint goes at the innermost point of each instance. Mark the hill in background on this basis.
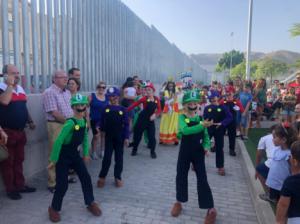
(209, 61)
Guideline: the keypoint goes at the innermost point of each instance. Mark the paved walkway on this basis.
(147, 196)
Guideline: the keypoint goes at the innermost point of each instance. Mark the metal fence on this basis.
(103, 38)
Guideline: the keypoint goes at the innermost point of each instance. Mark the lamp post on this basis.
(249, 40)
(231, 35)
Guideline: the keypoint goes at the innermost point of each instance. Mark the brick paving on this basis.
(146, 198)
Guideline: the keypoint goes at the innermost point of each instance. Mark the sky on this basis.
(205, 26)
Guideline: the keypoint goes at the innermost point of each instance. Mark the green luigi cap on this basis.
(79, 99)
(191, 96)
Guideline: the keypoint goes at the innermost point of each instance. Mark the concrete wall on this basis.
(36, 150)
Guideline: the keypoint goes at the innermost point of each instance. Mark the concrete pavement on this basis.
(147, 196)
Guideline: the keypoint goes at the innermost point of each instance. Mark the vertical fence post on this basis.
(74, 33)
(57, 33)
(26, 45)
(43, 43)
(63, 33)
(16, 33)
(50, 37)
(5, 43)
(69, 33)
(35, 50)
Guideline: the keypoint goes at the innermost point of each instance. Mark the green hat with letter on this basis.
(79, 99)
(191, 96)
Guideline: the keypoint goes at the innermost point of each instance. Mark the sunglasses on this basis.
(101, 87)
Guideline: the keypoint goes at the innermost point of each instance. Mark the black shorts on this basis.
(93, 126)
(263, 170)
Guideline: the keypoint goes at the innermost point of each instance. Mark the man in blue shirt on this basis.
(246, 100)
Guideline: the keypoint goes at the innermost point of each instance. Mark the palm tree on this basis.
(295, 30)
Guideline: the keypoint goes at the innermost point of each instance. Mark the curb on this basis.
(264, 212)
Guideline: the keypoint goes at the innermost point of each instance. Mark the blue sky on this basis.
(204, 26)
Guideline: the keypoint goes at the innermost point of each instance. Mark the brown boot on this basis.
(54, 216)
(94, 209)
(221, 171)
(211, 216)
(118, 183)
(176, 210)
(101, 182)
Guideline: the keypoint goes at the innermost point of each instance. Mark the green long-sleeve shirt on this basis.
(184, 129)
(65, 137)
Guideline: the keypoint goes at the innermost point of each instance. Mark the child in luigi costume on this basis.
(194, 145)
(115, 125)
(221, 117)
(65, 156)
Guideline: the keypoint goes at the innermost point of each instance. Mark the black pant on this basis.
(143, 123)
(111, 145)
(70, 159)
(231, 131)
(195, 156)
(218, 134)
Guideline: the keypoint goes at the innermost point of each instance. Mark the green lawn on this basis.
(251, 144)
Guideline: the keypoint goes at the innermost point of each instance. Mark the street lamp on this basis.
(231, 35)
(249, 40)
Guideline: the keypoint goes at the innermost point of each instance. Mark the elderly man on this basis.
(56, 102)
(14, 118)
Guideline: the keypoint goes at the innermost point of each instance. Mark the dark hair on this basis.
(273, 127)
(71, 71)
(5, 69)
(295, 150)
(174, 87)
(128, 83)
(78, 83)
(289, 133)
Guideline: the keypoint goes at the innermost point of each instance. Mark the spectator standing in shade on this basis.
(56, 102)
(14, 118)
(97, 102)
(74, 73)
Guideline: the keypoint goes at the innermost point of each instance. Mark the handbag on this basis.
(3, 153)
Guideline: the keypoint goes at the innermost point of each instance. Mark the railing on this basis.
(103, 38)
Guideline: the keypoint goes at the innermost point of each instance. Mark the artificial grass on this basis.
(253, 138)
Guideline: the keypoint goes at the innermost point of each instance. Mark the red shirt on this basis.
(144, 101)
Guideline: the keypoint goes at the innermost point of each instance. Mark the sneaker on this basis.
(266, 197)
(101, 182)
(94, 156)
(14, 195)
(118, 183)
(94, 209)
(51, 189)
(133, 153)
(130, 145)
(153, 155)
(232, 153)
(176, 210)
(54, 216)
(27, 189)
(211, 216)
(221, 171)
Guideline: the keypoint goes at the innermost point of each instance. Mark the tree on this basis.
(240, 70)
(295, 30)
(295, 65)
(225, 60)
(269, 68)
